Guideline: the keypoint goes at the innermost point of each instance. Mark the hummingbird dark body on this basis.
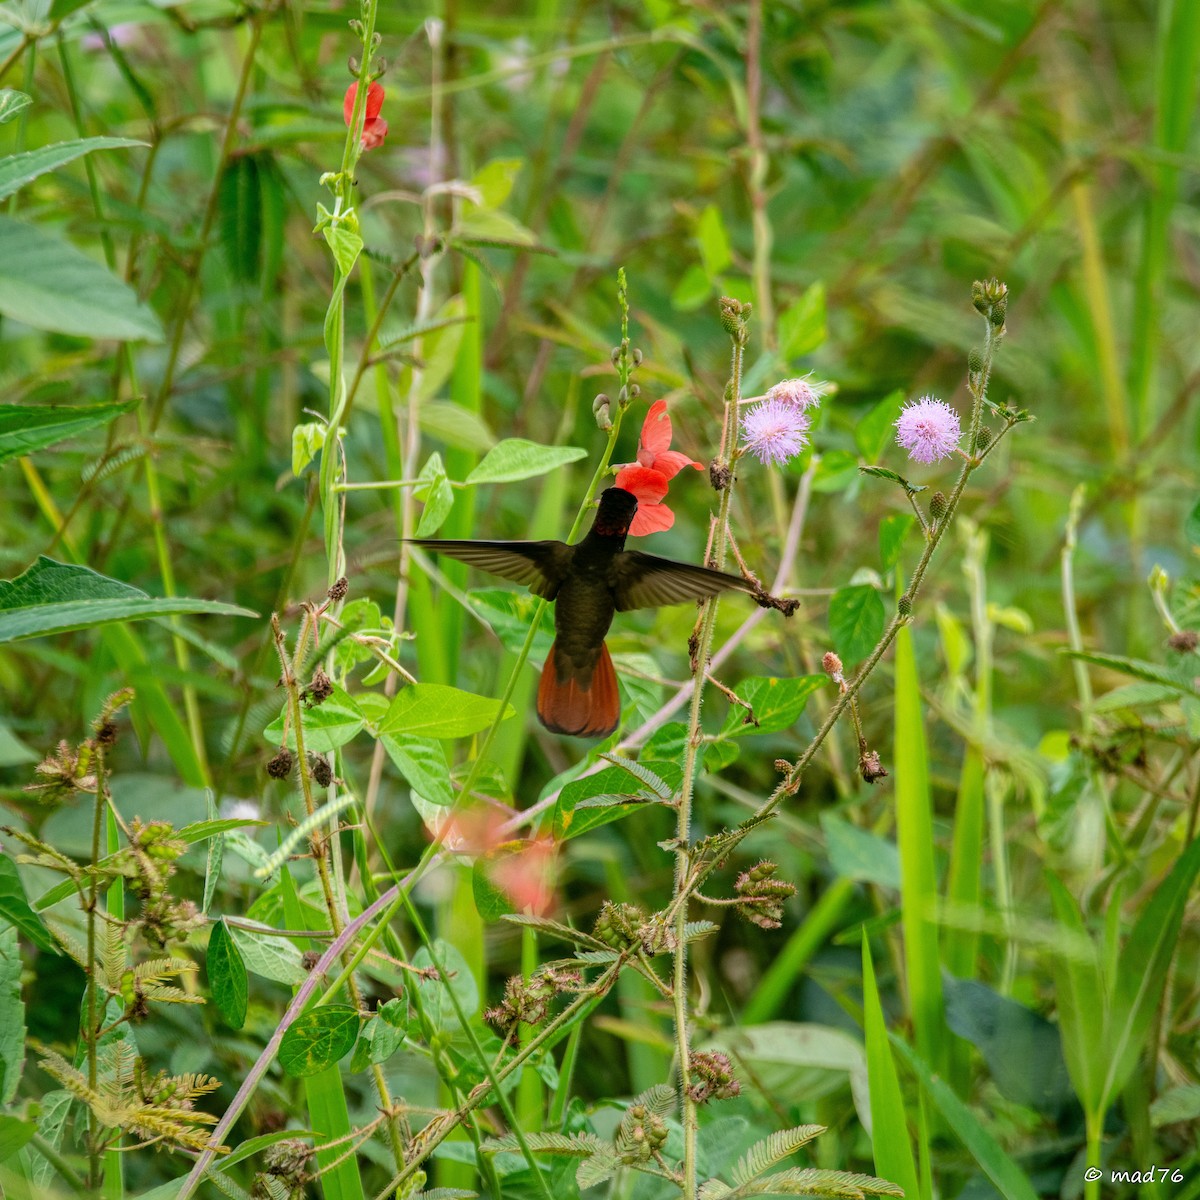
(589, 582)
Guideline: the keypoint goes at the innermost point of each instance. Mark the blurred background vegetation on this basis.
(849, 168)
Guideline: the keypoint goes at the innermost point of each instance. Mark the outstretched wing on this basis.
(647, 581)
(541, 566)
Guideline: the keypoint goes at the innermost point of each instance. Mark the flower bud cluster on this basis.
(641, 1135)
(712, 1077)
(527, 1001)
(761, 897)
(619, 925)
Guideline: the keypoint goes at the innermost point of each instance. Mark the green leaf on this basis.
(515, 458)
(715, 254)
(345, 243)
(227, 976)
(890, 1142)
(328, 725)
(884, 473)
(239, 217)
(859, 854)
(439, 1008)
(1177, 1104)
(271, 957)
(53, 597)
(763, 1155)
(318, 1038)
(874, 430)
(856, 620)
(435, 710)
(836, 470)
(19, 169)
(422, 762)
(14, 1133)
(508, 614)
(16, 910)
(1080, 1001)
(494, 180)
(802, 325)
(25, 428)
(614, 785)
(893, 530)
(493, 227)
(307, 441)
(1023, 1050)
(47, 283)
(11, 103)
(1010, 1181)
(490, 901)
(693, 288)
(1191, 526)
(816, 1181)
(436, 494)
(12, 1016)
(458, 427)
(1142, 970)
(1137, 668)
(776, 703)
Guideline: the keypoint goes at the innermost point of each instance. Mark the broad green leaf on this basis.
(836, 471)
(491, 902)
(14, 1133)
(1023, 1050)
(890, 1142)
(422, 762)
(893, 529)
(25, 428)
(11, 103)
(1010, 1181)
(693, 288)
(16, 911)
(49, 284)
(715, 254)
(227, 976)
(509, 614)
(333, 723)
(874, 430)
(438, 1006)
(1142, 969)
(435, 710)
(12, 1015)
(802, 325)
(345, 243)
(493, 226)
(458, 427)
(436, 494)
(494, 180)
(859, 854)
(53, 597)
(271, 957)
(856, 620)
(610, 795)
(19, 169)
(439, 348)
(515, 458)
(776, 703)
(318, 1038)
(307, 441)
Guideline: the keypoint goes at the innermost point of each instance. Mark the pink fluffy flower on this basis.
(803, 393)
(928, 429)
(775, 430)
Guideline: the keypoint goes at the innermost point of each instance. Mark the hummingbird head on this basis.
(617, 507)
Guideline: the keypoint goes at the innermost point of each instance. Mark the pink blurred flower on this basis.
(523, 870)
(803, 393)
(374, 126)
(928, 429)
(775, 430)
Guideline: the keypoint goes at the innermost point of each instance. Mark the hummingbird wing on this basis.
(647, 581)
(541, 566)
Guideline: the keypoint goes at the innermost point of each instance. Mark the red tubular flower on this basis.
(374, 126)
(648, 478)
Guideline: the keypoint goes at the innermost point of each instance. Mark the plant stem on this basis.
(90, 1037)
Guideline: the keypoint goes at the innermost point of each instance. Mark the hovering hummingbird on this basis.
(589, 582)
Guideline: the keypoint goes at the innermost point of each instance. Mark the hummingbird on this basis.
(588, 582)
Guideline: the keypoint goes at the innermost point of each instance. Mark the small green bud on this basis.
(938, 505)
(975, 361)
(904, 606)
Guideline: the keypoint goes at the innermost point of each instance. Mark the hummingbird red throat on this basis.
(588, 582)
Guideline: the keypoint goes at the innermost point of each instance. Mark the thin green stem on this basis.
(90, 1037)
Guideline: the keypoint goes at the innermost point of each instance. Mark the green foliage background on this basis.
(851, 178)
